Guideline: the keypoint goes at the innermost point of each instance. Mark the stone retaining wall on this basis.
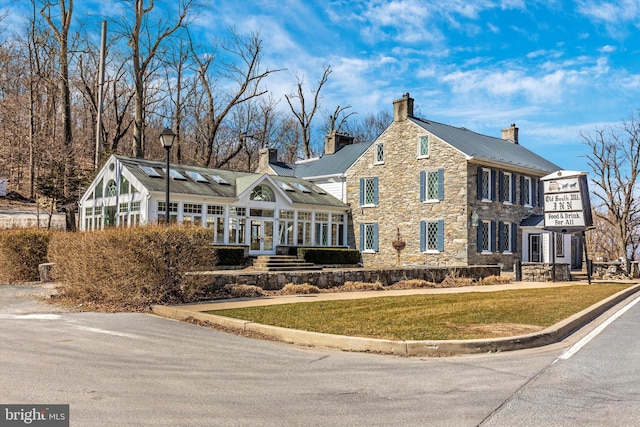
(331, 278)
(543, 272)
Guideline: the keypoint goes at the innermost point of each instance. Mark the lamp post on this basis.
(166, 139)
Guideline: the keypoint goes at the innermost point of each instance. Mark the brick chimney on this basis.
(402, 108)
(267, 156)
(510, 133)
(334, 141)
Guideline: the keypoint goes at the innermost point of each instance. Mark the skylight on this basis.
(150, 171)
(218, 179)
(176, 175)
(285, 186)
(301, 187)
(196, 176)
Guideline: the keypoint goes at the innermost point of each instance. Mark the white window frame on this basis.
(527, 195)
(507, 229)
(378, 153)
(369, 230)
(431, 249)
(421, 154)
(559, 244)
(486, 236)
(431, 186)
(369, 192)
(507, 190)
(487, 184)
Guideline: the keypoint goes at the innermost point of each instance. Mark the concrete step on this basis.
(282, 263)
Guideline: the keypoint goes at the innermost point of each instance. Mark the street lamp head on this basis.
(166, 138)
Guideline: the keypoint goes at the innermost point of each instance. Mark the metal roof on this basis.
(329, 164)
(487, 148)
(238, 182)
(532, 221)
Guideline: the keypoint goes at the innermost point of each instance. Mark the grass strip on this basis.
(434, 317)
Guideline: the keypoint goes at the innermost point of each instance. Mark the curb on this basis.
(550, 335)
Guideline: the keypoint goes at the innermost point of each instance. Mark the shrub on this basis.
(299, 289)
(241, 291)
(494, 280)
(412, 284)
(329, 255)
(227, 255)
(128, 268)
(349, 286)
(452, 280)
(21, 251)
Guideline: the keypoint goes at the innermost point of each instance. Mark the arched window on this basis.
(262, 193)
(112, 188)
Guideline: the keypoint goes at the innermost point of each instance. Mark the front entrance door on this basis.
(262, 237)
(535, 254)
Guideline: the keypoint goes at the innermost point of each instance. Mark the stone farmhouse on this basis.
(426, 193)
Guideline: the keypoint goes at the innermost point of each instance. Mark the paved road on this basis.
(136, 369)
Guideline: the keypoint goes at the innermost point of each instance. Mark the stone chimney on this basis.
(334, 141)
(402, 108)
(267, 156)
(510, 133)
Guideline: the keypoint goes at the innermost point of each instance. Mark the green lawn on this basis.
(434, 317)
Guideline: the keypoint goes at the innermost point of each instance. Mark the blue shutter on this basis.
(375, 191)
(500, 236)
(440, 184)
(521, 189)
(492, 190)
(361, 237)
(361, 191)
(375, 237)
(479, 181)
(423, 182)
(514, 237)
(513, 188)
(480, 235)
(441, 235)
(492, 236)
(501, 186)
(423, 236)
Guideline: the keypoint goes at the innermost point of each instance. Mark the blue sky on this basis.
(555, 68)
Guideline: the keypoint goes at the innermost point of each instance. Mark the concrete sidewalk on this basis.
(547, 336)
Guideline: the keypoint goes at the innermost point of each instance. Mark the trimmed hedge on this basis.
(229, 255)
(329, 255)
(21, 251)
(123, 269)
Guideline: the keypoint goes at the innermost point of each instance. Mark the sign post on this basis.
(567, 207)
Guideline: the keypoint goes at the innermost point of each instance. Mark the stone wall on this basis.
(543, 272)
(609, 271)
(332, 278)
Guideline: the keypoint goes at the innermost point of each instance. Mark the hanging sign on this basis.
(567, 207)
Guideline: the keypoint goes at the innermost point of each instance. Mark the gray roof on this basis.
(487, 148)
(532, 221)
(238, 182)
(329, 164)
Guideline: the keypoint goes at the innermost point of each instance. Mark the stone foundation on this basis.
(543, 272)
(332, 278)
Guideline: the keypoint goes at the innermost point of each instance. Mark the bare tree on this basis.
(61, 34)
(304, 115)
(338, 119)
(145, 45)
(243, 68)
(614, 160)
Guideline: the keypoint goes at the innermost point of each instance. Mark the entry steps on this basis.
(282, 263)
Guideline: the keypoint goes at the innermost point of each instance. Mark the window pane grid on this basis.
(486, 184)
(432, 236)
(507, 236)
(424, 146)
(369, 190)
(432, 185)
(379, 153)
(485, 236)
(506, 187)
(368, 237)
